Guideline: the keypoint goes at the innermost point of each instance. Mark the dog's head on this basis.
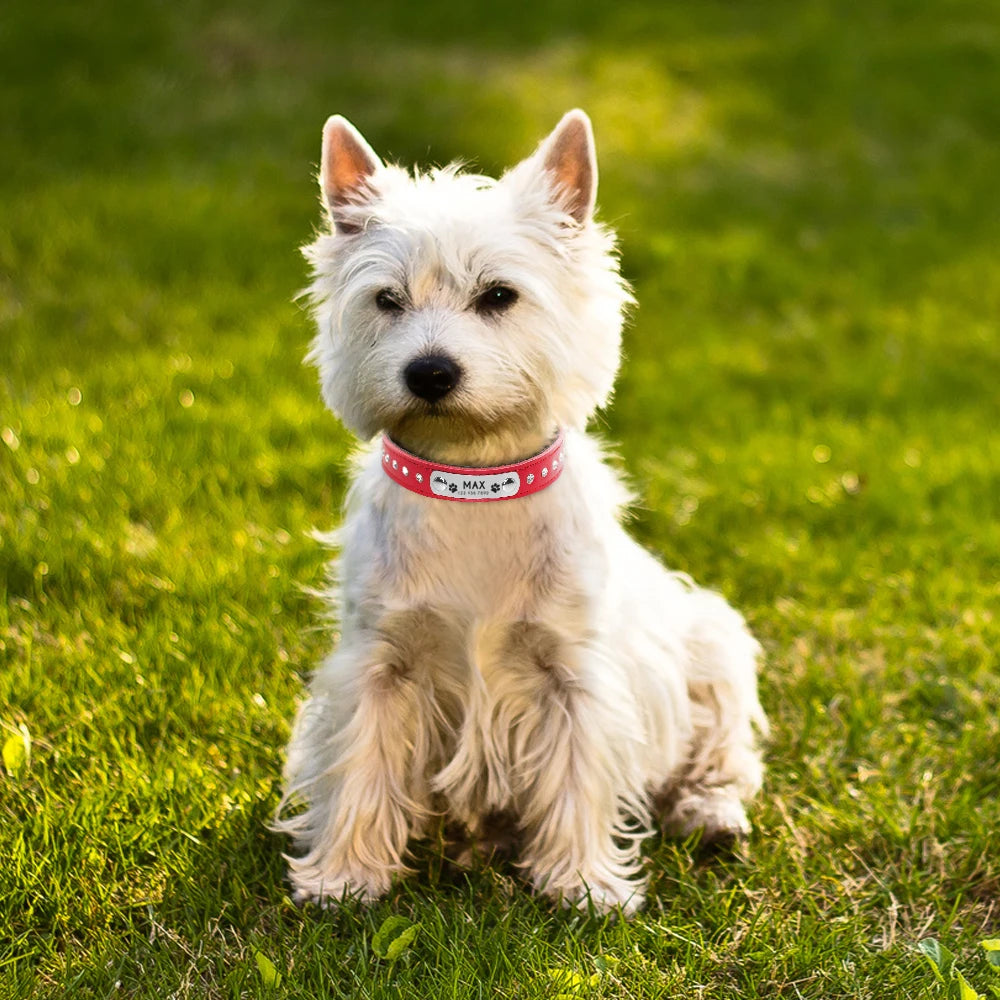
(454, 308)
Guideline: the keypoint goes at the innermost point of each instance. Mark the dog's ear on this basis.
(347, 164)
(568, 157)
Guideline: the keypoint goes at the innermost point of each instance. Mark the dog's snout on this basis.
(431, 377)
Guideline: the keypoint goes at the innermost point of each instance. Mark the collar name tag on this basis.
(475, 486)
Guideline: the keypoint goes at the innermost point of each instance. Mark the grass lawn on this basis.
(808, 201)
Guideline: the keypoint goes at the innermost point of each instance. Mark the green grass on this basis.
(808, 203)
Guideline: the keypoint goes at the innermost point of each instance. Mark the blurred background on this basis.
(805, 193)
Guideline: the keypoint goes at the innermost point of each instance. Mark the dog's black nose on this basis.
(431, 377)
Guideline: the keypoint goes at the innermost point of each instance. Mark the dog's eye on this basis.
(388, 301)
(495, 299)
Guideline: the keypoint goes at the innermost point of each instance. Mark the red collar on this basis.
(452, 482)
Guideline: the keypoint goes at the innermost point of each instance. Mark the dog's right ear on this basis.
(347, 164)
(570, 163)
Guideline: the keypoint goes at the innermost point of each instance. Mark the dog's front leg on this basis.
(359, 758)
(576, 777)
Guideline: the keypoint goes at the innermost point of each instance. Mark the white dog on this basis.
(505, 646)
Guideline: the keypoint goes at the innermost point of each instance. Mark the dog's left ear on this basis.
(569, 159)
(347, 165)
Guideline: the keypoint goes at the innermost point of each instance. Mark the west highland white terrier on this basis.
(505, 648)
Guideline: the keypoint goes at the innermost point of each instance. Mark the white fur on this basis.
(523, 655)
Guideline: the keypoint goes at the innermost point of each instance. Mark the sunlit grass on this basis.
(807, 201)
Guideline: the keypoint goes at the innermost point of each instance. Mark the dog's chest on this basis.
(485, 559)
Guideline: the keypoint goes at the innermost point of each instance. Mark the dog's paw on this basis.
(626, 898)
(717, 813)
(725, 822)
(330, 890)
(604, 895)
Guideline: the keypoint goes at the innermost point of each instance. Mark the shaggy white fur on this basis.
(523, 656)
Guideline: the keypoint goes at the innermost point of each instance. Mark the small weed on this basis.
(951, 979)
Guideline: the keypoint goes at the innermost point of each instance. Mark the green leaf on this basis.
(402, 942)
(965, 991)
(268, 973)
(607, 963)
(942, 961)
(566, 979)
(992, 948)
(393, 938)
(17, 751)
